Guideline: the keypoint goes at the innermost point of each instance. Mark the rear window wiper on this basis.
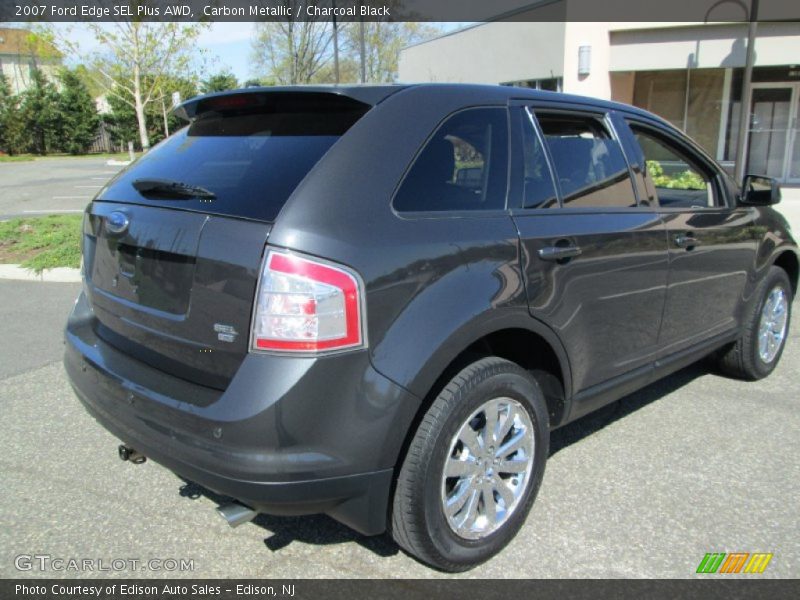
(167, 188)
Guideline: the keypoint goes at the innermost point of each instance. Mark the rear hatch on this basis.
(173, 245)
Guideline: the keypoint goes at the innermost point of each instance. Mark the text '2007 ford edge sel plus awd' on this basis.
(377, 302)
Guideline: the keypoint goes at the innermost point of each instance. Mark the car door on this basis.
(712, 242)
(594, 259)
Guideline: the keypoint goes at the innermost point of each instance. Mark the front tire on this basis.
(473, 468)
(766, 327)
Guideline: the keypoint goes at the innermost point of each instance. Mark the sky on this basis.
(227, 45)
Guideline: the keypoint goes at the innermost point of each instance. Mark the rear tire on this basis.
(473, 468)
(766, 327)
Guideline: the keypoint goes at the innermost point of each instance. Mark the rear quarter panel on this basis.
(432, 282)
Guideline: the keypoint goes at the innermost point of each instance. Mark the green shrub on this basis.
(686, 180)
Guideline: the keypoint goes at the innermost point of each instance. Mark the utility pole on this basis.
(335, 45)
(362, 50)
(744, 117)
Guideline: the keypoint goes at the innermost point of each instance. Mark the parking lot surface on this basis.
(51, 184)
(696, 463)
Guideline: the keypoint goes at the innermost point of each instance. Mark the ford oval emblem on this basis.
(117, 222)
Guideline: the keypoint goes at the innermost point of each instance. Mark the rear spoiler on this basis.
(284, 97)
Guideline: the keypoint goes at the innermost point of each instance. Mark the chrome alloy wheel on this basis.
(772, 325)
(488, 467)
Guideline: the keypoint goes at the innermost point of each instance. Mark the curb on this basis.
(57, 275)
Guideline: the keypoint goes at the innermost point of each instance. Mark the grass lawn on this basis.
(17, 158)
(42, 242)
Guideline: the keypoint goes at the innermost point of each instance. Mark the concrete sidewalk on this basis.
(57, 275)
(789, 207)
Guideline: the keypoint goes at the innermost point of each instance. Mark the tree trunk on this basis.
(166, 120)
(141, 118)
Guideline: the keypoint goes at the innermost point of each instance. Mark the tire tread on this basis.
(407, 519)
(740, 360)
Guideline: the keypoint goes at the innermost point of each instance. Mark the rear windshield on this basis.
(251, 159)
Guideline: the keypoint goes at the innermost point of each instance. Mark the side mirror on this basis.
(758, 190)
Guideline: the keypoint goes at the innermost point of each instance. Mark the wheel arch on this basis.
(787, 260)
(528, 343)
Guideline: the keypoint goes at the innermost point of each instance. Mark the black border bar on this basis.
(705, 588)
(397, 10)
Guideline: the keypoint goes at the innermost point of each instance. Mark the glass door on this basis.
(773, 139)
(793, 158)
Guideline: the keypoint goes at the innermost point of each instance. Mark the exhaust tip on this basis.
(127, 453)
(236, 514)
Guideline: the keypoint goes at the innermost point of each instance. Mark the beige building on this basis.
(689, 73)
(20, 52)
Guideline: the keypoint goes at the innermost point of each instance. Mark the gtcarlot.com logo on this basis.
(734, 562)
(47, 562)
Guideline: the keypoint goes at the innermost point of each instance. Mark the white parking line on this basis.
(94, 187)
(100, 178)
(71, 197)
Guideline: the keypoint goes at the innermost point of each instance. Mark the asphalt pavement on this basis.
(50, 185)
(646, 487)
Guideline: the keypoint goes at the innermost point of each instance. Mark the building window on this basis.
(704, 107)
(662, 93)
(690, 99)
(553, 84)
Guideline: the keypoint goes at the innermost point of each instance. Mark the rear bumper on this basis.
(289, 436)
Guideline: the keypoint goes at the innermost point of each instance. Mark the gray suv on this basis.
(377, 302)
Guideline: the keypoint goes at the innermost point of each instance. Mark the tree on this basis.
(219, 83)
(8, 117)
(262, 82)
(39, 113)
(302, 52)
(383, 42)
(137, 61)
(77, 114)
(122, 121)
(186, 88)
(292, 51)
(90, 79)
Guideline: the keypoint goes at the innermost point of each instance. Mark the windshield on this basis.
(249, 160)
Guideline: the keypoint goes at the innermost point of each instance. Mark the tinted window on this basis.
(464, 166)
(589, 164)
(539, 190)
(678, 182)
(251, 159)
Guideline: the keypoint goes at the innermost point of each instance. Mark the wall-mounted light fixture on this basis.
(584, 60)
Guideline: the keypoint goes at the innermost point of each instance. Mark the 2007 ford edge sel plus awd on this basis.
(377, 302)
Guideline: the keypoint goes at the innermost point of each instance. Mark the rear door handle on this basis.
(559, 252)
(686, 241)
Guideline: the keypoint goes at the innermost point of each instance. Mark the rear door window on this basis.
(463, 166)
(588, 161)
(538, 188)
(249, 157)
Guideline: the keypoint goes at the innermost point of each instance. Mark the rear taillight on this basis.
(305, 305)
